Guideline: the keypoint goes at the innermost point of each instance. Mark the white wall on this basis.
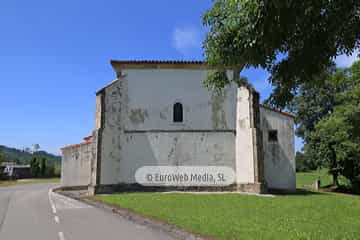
(139, 130)
(279, 157)
(134, 128)
(112, 131)
(76, 165)
(175, 149)
(152, 93)
(244, 139)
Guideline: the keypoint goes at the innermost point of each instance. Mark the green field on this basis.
(28, 181)
(303, 178)
(304, 215)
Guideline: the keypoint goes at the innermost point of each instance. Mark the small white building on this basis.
(157, 113)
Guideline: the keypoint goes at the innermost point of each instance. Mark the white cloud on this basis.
(187, 40)
(346, 61)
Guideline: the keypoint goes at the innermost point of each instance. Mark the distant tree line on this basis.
(1, 156)
(40, 168)
(1, 160)
(42, 164)
(24, 156)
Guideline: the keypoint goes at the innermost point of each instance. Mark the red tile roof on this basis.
(87, 140)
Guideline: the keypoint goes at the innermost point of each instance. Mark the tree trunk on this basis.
(335, 179)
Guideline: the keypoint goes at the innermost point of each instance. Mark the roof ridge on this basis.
(278, 111)
(181, 61)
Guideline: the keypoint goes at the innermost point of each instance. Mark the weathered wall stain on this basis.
(138, 115)
(279, 156)
(173, 149)
(218, 116)
(218, 155)
(136, 129)
(113, 105)
(242, 123)
(274, 153)
(76, 165)
(163, 116)
(112, 139)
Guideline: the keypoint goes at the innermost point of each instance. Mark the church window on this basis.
(178, 112)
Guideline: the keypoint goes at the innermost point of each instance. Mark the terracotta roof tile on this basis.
(87, 140)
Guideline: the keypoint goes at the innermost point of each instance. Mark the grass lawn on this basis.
(304, 215)
(303, 178)
(28, 181)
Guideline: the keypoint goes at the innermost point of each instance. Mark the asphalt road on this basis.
(33, 212)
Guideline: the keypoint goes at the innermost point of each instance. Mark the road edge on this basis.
(172, 230)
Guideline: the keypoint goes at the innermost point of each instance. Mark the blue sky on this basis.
(54, 55)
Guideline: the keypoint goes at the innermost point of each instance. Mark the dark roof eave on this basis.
(278, 111)
(118, 65)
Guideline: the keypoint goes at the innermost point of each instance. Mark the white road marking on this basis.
(61, 235)
(52, 202)
(60, 202)
(57, 219)
(140, 226)
(53, 208)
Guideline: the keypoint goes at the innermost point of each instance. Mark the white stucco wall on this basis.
(134, 128)
(76, 165)
(244, 139)
(139, 130)
(175, 149)
(111, 141)
(279, 156)
(152, 93)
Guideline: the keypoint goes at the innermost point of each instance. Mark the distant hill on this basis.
(22, 157)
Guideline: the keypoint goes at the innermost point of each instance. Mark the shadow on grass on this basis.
(299, 191)
(302, 191)
(342, 190)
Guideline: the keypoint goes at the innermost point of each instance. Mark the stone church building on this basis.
(158, 113)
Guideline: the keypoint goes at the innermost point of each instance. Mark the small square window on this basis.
(273, 136)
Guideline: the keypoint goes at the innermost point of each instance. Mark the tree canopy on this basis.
(316, 100)
(334, 142)
(293, 40)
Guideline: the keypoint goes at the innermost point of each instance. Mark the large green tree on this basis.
(316, 100)
(313, 102)
(304, 164)
(293, 40)
(335, 141)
